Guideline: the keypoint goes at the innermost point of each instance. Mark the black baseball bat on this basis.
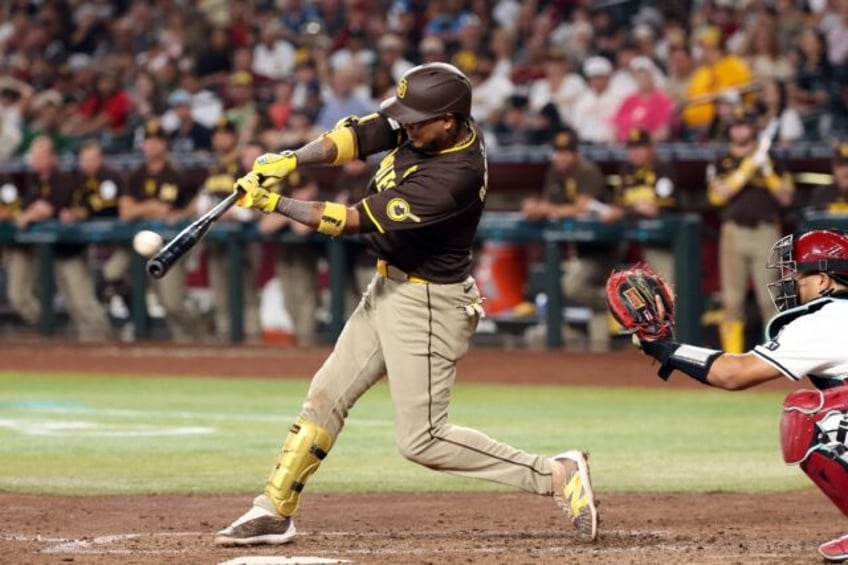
(159, 264)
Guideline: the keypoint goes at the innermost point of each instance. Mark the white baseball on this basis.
(147, 243)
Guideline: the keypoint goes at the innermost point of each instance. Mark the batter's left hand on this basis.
(255, 196)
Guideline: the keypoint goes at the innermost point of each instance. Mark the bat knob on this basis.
(156, 268)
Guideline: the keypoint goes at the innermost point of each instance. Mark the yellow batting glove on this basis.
(271, 167)
(255, 196)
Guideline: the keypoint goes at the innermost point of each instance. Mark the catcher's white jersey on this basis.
(814, 343)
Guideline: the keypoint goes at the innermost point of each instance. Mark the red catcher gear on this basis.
(813, 432)
(817, 251)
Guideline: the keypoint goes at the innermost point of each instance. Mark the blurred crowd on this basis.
(285, 70)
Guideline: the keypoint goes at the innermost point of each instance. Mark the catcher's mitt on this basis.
(642, 302)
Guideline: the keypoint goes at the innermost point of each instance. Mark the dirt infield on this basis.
(421, 528)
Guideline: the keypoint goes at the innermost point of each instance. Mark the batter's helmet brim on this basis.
(401, 113)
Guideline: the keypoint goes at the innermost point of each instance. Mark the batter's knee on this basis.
(423, 451)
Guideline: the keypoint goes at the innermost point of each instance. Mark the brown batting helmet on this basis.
(428, 91)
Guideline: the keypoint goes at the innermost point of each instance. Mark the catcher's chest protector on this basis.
(814, 433)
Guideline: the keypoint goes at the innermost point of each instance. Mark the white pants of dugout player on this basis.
(414, 333)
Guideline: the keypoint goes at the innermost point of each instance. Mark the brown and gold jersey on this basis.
(422, 209)
(167, 185)
(99, 193)
(563, 187)
(753, 203)
(58, 189)
(11, 197)
(830, 199)
(652, 184)
(222, 177)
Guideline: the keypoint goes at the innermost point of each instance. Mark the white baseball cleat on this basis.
(259, 525)
(573, 493)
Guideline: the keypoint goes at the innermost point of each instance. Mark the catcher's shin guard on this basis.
(814, 433)
(305, 447)
(732, 336)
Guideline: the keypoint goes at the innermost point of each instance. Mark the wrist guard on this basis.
(693, 361)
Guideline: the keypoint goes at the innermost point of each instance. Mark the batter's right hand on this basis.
(271, 167)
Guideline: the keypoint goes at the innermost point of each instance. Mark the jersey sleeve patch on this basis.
(399, 210)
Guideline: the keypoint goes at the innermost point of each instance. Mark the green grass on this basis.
(110, 435)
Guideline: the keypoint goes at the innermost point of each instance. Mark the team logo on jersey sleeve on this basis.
(398, 210)
(108, 190)
(771, 345)
(8, 193)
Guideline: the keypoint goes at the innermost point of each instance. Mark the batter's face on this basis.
(431, 135)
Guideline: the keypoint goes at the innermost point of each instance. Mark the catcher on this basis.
(806, 337)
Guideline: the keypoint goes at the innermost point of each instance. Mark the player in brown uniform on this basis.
(833, 199)
(157, 191)
(647, 191)
(217, 186)
(49, 195)
(296, 264)
(575, 187)
(98, 188)
(750, 191)
(419, 217)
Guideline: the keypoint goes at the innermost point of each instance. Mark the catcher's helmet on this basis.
(428, 91)
(816, 251)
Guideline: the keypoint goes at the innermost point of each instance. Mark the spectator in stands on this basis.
(187, 135)
(647, 190)
(344, 100)
(356, 54)
(432, 50)
(273, 56)
(469, 43)
(773, 103)
(790, 20)
(648, 108)
(514, 124)
(833, 199)
(716, 71)
(680, 67)
(299, 129)
(218, 185)
(98, 188)
(146, 97)
(576, 188)
(762, 52)
(594, 110)
(750, 193)
(296, 263)
(813, 81)
(156, 190)
(47, 120)
(104, 112)
(241, 107)
(213, 64)
(390, 55)
(489, 91)
(559, 86)
(383, 85)
(281, 106)
(50, 195)
(206, 106)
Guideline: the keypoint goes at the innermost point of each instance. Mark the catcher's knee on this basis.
(305, 447)
(814, 433)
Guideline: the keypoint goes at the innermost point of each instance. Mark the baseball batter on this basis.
(419, 217)
(806, 337)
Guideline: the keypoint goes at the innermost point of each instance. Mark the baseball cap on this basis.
(565, 140)
(840, 155)
(431, 44)
(153, 130)
(642, 63)
(223, 123)
(597, 66)
(637, 137)
(179, 97)
(241, 78)
(742, 115)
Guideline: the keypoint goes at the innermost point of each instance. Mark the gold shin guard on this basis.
(306, 446)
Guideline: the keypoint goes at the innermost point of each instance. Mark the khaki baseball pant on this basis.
(219, 281)
(171, 289)
(743, 253)
(415, 334)
(297, 269)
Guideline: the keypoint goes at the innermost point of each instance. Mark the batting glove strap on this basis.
(690, 360)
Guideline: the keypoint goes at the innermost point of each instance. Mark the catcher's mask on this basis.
(817, 251)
